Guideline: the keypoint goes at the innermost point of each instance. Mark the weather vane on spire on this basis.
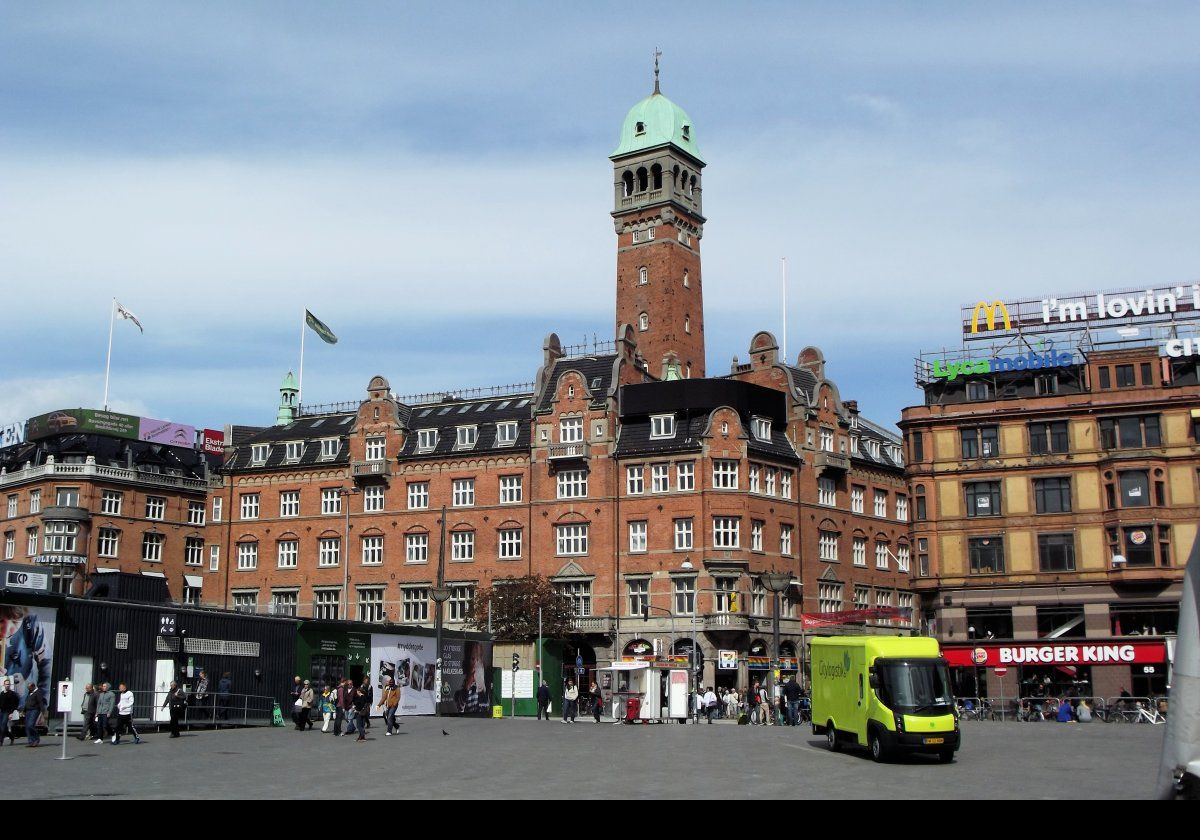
(657, 55)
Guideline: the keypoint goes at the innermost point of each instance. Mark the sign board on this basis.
(166, 432)
(727, 660)
(60, 560)
(522, 681)
(166, 624)
(1102, 653)
(64, 704)
(82, 421)
(26, 580)
(212, 442)
(1000, 672)
(12, 433)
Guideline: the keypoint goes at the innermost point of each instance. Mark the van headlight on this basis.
(899, 721)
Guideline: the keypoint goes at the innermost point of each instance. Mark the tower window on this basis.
(643, 278)
(627, 183)
(656, 173)
(640, 128)
(643, 322)
(643, 179)
(686, 282)
(687, 324)
(687, 132)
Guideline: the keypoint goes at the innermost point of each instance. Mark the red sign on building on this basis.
(213, 442)
(1057, 653)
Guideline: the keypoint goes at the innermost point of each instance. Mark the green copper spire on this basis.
(657, 121)
(289, 407)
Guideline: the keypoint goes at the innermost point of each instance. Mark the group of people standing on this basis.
(345, 703)
(570, 701)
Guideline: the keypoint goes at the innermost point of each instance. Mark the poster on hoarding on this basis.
(166, 433)
(27, 640)
(411, 663)
(82, 421)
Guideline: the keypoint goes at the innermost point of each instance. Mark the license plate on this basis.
(935, 740)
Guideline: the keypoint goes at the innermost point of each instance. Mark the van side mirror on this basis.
(874, 681)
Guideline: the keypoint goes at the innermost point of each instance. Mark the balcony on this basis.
(84, 471)
(598, 624)
(568, 451)
(365, 471)
(831, 461)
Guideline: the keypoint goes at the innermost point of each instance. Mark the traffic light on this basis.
(516, 661)
(733, 602)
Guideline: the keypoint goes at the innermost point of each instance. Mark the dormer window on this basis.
(467, 435)
(259, 453)
(687, 132)
(427, 440)
(376, 448)
(762, 428)
(295, 449)
(506, 433)
(570, 392)
(662, 426)
(329, 448)
(639, 128)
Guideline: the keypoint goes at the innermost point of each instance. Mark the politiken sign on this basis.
(1100, 653)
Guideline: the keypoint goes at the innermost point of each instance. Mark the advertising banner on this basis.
(212, 442)
(82, 421)
(166, 433)
(828, 619)
(410, 661)
(27, 641)
(1057, 653)
(12, 433)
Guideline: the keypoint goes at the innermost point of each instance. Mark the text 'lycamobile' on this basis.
(889, 693)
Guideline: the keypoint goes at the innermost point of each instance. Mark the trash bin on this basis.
(633, 708)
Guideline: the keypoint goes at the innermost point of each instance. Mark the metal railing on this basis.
(28, 473)
(1034, 709)
(210, 710)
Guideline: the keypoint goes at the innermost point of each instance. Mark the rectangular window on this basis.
(370, 603)
(1045, 385)
(193, 551)
(639, 596)
(1125, 378)
(35, 501)
(660, 478)
(31, 541)
(511, 489)
(755, 478)
(462, 546)
(59, 538)
(327, 604)
(465, 437)
(110, 502)
(1049, 438)
(416, 548)
(901, 508)
(725, 475)
(881, 556)
(1135, 489)
(637, 537)
(64, 497)
(287, 553)
(462, 601)
(331, 501)
(464, 492)
(827, 492)
(372, 551)
(108, 544)
(683, 534)
(195, 513)
(10, 545)
(571, 540)
(329, 551)
(152, 547)
(726, 532)
(214, 558)
(762, 428)
(685, 476)
(881, 503)
(829, 597)
(826, 439)
(570, 430)
(1056, 552)
(376, 450)
(662, 426)
(857, 499)
(980, 442)
(510, 543)
(918, 446)
(977, 391)
(756, 534)
(635, 480)
(1130, 432)
(259, 453)
(862, 597)
(289, 503)
(983, 498)
(506, 433)
(294, 451)
(860, 552)
(923, 557)
(785, 539)
(191, 595)
(330, 448)
(1052, 495)
(902, 559)
(572, 484)
(769, 479)
(986, 555)
(685, 596)
(218, 505)
(418, 495)
(285, 603)
(785, 484)
(427, 440)
(373, 499)
(827, 546)
(156, 507)
(245, 602)
(580, 593)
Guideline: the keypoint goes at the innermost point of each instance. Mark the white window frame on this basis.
(860, 552)
(111, 502)
(660, 478)
(465, 437)
(463, 494)
(858, 496)
(903, 558)
(826, 492)
(638, 537)
(374, 499)
(287, 554)
(462, 546)
(785, 484)
(683, 595)
(570, 430)
(510, 544)
(685, 475)
(512, 489)
(259, 453)
(289, 504)
(331, 501)
(156, 508)
(507, 432)
(372, 550)
(881, 556)
(416, 548)
(427, 440)
(376, 448)
(35, 501)
(193, 551)
(785, 539)
(329, 552)
(635, 480)
(294, 451)
(571, 540)
(685, 536)
(369, 603)
(757, 528)
(195, 512)
(214, 558)
(881, 500)
(462, 601)
(725, 474)
(827, 546)
(727, 531)
(662, 426)
(418, 495)
(250, 506)
(152, 546)
(327, 603)
(330, 448)
(572, 484)
(901, 507)
(31, 541)
(218, 508)
(754, 478)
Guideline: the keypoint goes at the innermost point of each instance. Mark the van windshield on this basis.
(918, 685)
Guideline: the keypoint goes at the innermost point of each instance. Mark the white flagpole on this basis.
(300, 384)
(783, 343)
(112, 316)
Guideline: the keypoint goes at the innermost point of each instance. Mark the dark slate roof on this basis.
(778, 447)
(240, 434)
(596, 371)
(108, 452)
(803, 380)
(448, 415)
(634, 438)
(869, 431)
(308, 429)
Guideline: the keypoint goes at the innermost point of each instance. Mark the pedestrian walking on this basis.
(543, 701)
(224, 695)
(297, 701)
(35, 707)
(307, 696)
(570, 702)
(87, 708)
(368, 690)
(710, 704)
(328, 699)
(9, 703)
(177, 705)
(597, 701)
(106, 705)
(362, 710)
(344, 707)
(166, 703)
(125, 701)
(791, 693)
(389, 701)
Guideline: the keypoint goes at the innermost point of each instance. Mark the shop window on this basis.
(1144, 619)
(1138, 546)
(1061, 622)
(989, 623)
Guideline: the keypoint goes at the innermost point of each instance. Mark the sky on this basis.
(432, 181)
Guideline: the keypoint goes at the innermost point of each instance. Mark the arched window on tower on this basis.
(675, 176)
(642, 179)
(656, 173)
(687, 324)
(692, 185)
(683, 176)
(643, 276)
(627, 180)
(643, 322)
(686, 281)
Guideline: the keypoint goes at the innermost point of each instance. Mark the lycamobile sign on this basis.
(1004, 364)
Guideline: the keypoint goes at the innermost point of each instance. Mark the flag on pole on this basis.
(129, 316)
(319, 327)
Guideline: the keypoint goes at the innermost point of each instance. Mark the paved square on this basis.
(527, 759)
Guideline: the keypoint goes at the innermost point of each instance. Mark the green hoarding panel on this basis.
(82, 421)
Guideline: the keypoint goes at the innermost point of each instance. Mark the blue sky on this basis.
(432, 180)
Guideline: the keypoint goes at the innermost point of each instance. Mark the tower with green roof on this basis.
(289, 395)
(659, 219)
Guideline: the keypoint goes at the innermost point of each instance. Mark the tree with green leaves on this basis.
(514, 609)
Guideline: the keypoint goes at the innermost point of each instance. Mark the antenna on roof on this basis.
(657, 55)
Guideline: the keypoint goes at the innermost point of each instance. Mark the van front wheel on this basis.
(831, 738)
(878, 751)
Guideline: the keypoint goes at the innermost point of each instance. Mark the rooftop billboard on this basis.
(86, 421)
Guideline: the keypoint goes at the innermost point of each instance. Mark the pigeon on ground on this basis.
(444, 732)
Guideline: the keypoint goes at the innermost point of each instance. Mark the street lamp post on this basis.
(440, 594)
(346, 493)
(776, 583)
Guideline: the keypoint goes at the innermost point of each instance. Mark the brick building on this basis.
(640, 487)
(1054, 509)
